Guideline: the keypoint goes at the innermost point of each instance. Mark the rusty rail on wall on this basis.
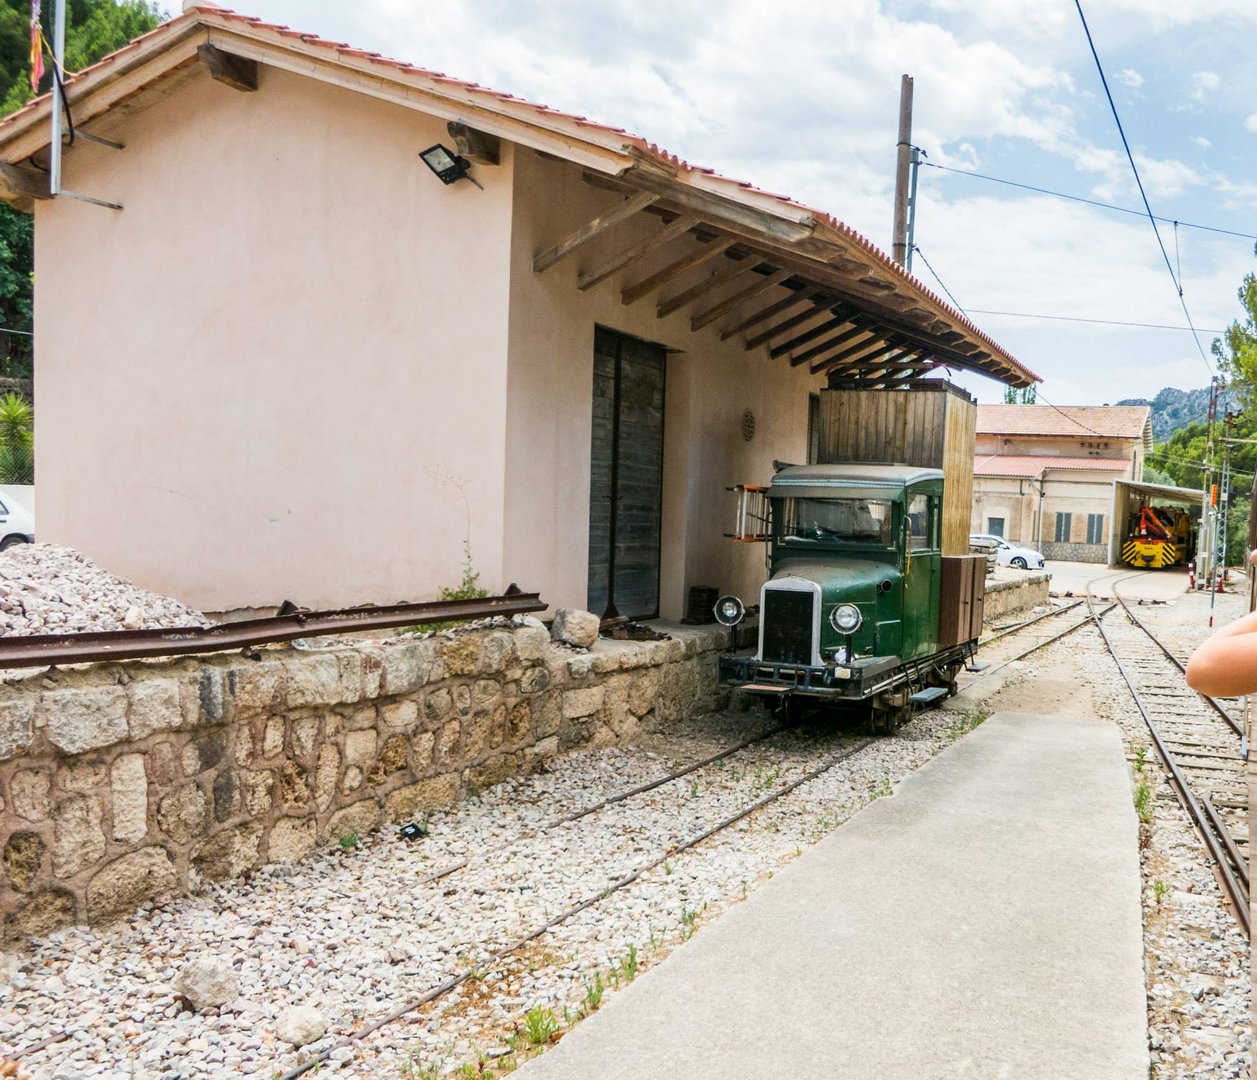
(49, 649)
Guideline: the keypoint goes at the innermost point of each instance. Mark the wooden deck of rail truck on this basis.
(873, 598)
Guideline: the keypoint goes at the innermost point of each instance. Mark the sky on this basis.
(802, 98)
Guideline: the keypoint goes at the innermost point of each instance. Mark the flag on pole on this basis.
(37, 47)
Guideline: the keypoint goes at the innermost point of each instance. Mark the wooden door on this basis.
(626, 476)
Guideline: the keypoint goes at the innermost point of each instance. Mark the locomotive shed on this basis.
(1127, 496)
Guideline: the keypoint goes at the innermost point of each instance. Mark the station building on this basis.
(349, 319)
(1043, 476)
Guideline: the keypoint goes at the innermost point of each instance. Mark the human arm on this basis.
(1226, 664)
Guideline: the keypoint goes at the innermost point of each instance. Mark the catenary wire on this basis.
(1080, 319)
(1140, 184)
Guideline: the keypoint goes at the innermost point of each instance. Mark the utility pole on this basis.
(1206, 543)
(901, 251)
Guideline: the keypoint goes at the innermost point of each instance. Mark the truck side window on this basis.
(919, 522)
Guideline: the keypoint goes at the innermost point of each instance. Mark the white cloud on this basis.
(1204, 83)
(1205, 144)
(1251, 124)
(1130, 77)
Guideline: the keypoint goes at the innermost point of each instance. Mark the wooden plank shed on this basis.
(296, 410)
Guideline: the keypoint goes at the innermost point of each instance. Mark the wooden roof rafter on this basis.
(775, 308)
(722, 276)
(643, 247)
(630, 294)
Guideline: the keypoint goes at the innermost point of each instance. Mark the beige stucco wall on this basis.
(1130, 450)
(709, 386)
(251, 377)
(1017, 501)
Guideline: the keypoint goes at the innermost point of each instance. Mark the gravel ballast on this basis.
(45, 589)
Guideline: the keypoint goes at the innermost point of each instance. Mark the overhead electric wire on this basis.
(1079, 318)
(1088, 202)
(917, 249)
(1140, 184)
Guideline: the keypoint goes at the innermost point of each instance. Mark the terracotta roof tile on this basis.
(1107, 421)
(1030, 466)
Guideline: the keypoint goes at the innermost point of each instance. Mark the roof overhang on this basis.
(838, 304)
(1186, 496)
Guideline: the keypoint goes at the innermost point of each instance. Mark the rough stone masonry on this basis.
(125, 782)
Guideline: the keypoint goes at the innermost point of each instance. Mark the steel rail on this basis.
(601, 804)
(1211, 702)
(1028, 622)
(1217, 845)
(1035, 648)
(502, 954)
(44, 650)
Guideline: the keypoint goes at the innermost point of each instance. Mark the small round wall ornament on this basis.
(748, 425)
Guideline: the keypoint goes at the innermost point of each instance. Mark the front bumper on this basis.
(857, 681)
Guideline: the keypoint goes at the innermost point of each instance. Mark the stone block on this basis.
(294, 792)
(643, 691)
(579, 667)
(244, 744)
(392, 759)
(226, 795)
(477, 734)
(259, 792)
(350, 676)
(327, 772)
(40, 915)
(30, 792)
(360, 748)
(82, 777)
(498, 768)
(462, 699)
(360, 818)
(438, 703)
(462, 655)
(352, 780)
(17, 726)
(434, 794)
(190, 759)
(586, 702)
(447, 750)
(229, 853)
(23, 860)
(291, 839)
(78, 840)
(182, 814)
(498, 652)
(85, 719)
(163, 764)
(534, 680)
(360, 719)
(499, 728)
(372, 678)
(605, 660)
(547, 711)
(532, 642)
(211, 697)
(422, 746)
(400, 716)
(273, 737)
(403, 668)
(128, 787)
(575, 627)
(520, 727)
(127, 882)
(254, 687)
(539, 752)
(305, 736)
(211, 749)
(312, 681)
(154, 707)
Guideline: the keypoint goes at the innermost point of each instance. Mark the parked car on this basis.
(17, 524)
(1007, 554)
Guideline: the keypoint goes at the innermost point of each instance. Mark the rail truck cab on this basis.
(850, 610)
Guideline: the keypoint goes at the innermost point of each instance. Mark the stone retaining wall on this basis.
(1098, 553)
(129, 781)
(1028, 590)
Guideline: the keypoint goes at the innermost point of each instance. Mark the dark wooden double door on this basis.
(626, 475)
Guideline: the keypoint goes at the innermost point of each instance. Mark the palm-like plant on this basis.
(17, 440)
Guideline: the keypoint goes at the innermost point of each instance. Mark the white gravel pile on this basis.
(45, 589)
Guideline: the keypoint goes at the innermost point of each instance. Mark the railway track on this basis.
(1198, 741)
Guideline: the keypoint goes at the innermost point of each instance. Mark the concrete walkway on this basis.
(982, 923)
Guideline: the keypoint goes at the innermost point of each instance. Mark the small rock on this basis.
(575, 627)
(300, 1024)
(207, 982)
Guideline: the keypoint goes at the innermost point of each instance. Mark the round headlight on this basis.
(846, 618)
(729, 611)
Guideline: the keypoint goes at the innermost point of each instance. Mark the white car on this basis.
(17, 524)
(1007, 554)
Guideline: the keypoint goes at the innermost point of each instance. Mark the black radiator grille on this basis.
(787, 620)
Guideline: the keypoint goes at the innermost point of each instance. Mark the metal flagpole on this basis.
(58, 95)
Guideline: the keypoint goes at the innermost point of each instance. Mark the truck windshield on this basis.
(828, 520)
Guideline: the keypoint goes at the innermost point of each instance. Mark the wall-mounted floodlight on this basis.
(448, 166)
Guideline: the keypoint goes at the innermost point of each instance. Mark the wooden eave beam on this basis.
(238, 72)
(841, 318)
(675, 269)
(726, 305)
(720, 277)
(830, 344)
(592, 230)
(21, 182)
(644, 246)
(826, 307)
(856, 354)
(775, 308)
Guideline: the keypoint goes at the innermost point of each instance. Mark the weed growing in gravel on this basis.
(540, 1025)
(966, 723)
(689, 917)
(881, 789)
(656, 939)
(410, 1069)
(1143, 802)
(1159, 891)
(628, 964)
(593, 993)
(349, 840)
(1141, 755)
(668, 867)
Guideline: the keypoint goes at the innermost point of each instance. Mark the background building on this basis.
(1043, 476)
